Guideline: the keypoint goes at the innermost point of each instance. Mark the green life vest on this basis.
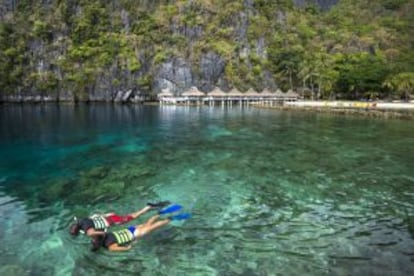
(123, 236)
(99, 223)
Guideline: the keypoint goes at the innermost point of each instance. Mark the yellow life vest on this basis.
(99, 223)
(123, 236)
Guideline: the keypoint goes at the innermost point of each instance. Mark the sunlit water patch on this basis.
(271, 193)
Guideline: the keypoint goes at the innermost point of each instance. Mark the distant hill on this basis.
(96, 50)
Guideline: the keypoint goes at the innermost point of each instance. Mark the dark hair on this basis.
(96, 242)
(74, 229)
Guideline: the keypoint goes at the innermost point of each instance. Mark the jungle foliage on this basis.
(358, 48)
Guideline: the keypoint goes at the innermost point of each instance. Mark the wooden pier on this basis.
(234, 97)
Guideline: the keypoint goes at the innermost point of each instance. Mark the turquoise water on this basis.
(271, 192)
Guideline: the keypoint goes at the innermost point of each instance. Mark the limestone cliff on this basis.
(99, 50)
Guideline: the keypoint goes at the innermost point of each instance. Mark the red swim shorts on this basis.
(117, 219)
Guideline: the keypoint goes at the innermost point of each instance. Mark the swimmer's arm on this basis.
(93, 232)
(116, 247)
(102, 215)
(109, 214)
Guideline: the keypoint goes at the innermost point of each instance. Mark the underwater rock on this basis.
(410, 223)
(96, 172)
(52, 244)
(89, 190)
(54, 190)
(236, 268)
(14, 270)
(252, 265)
(133, 172)
(110, 189)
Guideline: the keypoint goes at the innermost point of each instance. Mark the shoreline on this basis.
(367, 109)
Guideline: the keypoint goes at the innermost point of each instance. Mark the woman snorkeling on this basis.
(121, 240)
(97, 224)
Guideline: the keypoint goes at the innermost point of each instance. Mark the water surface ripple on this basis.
(271, 192)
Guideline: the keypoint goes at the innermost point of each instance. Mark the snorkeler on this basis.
(97, 224)
(121, 240)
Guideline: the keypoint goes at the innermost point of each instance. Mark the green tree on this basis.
(359, 73)
(402, 84)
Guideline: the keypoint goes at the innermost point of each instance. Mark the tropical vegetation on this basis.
(357, 48)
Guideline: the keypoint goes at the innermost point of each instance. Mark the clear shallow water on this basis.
(272, 193)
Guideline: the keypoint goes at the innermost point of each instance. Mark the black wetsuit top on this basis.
(86, 223)
(109, 239)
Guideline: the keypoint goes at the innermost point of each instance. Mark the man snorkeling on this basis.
(121, 240)
(96, 225)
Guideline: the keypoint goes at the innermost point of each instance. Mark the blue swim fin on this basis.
(182, 216)
(170, 209)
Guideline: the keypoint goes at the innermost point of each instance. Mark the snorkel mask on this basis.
(75, 229)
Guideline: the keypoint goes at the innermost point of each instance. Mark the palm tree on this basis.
(403, 83)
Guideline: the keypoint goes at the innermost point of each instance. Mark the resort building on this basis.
(193, 96)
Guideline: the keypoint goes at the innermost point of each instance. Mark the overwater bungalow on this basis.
(267, 93)
(217, 92)
(291, 96)
(251, 93)
(193, 96)
(234, 96)
(279, 93)
(216, 95)
(166, 97)
(235, 93)
(267, 97)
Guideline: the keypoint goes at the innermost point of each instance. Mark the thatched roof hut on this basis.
(193, 92)
(267, 93)
(291, 94)
(252, 93)
(235, 93)
(165, 93)
(279, 93)
(217, 92)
